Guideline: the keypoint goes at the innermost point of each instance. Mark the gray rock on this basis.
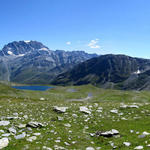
(4, 142)
(110, 133)
(127, 143)
(32, 138)
(21, 126)
(20, 136)
(4, 123)
(6, 134)
(139, 147)
(10, 118)
(90, 148)
(60, 109)
(84, 110)
(115, 111)
(12, 130)
(36, 134)
(142, 136)
(34, 124)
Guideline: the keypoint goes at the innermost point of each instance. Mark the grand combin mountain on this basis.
(34, 63)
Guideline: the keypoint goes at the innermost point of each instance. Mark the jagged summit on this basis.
(33, 62)
(21, 48)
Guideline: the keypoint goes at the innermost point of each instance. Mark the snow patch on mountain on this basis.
(137, 72)
(44, 48)
(10, 52)
(20, 55)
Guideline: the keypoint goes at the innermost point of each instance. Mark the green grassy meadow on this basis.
(73, 129)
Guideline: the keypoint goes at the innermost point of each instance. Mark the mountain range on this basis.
(31, 62)
(109, 71)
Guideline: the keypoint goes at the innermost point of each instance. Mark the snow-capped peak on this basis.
(28, 41)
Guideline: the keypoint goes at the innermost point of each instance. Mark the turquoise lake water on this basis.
(33, 88)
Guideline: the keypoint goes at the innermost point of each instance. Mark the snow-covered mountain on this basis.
(33, 62)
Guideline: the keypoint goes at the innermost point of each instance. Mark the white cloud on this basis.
(68, 43)
(94, 44)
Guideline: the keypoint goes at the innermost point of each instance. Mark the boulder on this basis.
(84, 110)
(110, 133)
(35, 124)
(139, 147)
(20, 136)
(4, 142)
(60, 109)
(4, 123)
(12, 130)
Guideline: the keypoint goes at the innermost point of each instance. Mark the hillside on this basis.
(109, 71)
(92, 118)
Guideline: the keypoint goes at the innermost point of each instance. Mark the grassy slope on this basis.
(29, 103)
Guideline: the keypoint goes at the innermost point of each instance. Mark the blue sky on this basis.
(96, 26)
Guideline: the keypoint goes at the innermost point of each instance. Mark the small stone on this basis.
(115, 111)
(60, 118)
(42, 98)
(84, 110)
(139, 147)
(74, 115)
(146, 133)
(4, 123)
(36, 134)
(127, 143)
(110, 133)
(60, 109)
(12, 130)
(34, 124)
(4, 142)
(90, 148)
(66, 143)
(2, 131)
(20, 136)
(131, 131)
(47, 148)
(11, 118)
(25, 116)
(92, 134)
(133, 106)
(67, 125)
(21, 126)
(57, 141)
(32, 138)
(142, 136)
(6, 134)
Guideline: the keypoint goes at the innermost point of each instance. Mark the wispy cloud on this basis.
(68, 43)
(94, 43)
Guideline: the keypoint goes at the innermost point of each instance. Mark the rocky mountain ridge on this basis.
(32, 62)
(109, 71)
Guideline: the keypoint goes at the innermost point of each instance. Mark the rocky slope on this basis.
(33, 62)
(109, 71)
